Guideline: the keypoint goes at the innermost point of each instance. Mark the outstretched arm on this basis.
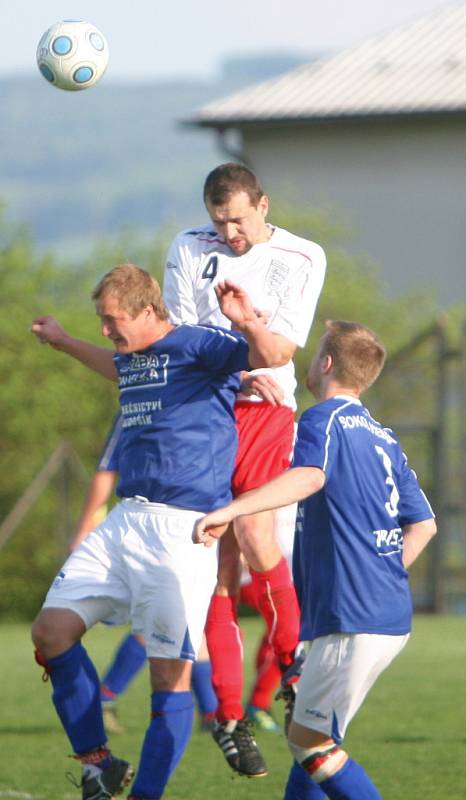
(266, 349)
(291, 486)
(99, 359)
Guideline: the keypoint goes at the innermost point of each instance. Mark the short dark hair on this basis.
(357, 353)
(229, 178)
(134, 289)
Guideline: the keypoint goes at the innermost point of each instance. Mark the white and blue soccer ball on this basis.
(72, 55)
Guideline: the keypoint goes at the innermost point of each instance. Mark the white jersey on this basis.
(283, 276)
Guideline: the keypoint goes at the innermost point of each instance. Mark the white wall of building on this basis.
(400, 185)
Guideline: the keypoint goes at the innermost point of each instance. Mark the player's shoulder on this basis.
(286, 241)
(200, 233)
(194, 332)
(330, 408)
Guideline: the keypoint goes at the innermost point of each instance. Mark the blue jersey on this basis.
(347, 559)
(178, 438)
(110, 458)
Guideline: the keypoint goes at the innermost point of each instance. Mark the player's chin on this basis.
(239, 246)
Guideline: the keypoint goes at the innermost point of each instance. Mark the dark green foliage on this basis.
(48, 398)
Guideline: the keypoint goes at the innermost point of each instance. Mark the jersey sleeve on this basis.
(413, 504)
(223, 351)
(110, 457)
(314, 443)
(296, 311)
(178, 288)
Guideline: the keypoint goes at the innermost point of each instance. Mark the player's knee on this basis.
(258, 543)
(45, 636)
(319, 762)
(170, 674)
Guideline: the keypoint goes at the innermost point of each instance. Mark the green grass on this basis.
(409, 735)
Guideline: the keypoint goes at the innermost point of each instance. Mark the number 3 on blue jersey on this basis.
(392, 506)
(210, 269)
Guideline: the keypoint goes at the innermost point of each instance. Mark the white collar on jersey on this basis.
(349, 397)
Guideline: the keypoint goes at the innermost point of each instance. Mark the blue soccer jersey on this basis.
(347, 559)
(178, 438)
(110, 458)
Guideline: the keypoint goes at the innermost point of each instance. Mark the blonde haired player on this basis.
(362, 521)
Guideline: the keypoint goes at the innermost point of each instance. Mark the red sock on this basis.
(225, 645)
(247, 595)
(277, 602)
(268, 675)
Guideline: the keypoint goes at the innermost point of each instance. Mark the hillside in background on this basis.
(76, 166)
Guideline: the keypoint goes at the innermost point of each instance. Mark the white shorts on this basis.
(338, 672)
(285, 523)
(141, 566)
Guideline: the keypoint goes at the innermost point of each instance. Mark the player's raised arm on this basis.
(288, 488)
(266, 349)
(99, 359)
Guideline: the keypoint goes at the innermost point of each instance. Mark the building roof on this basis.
(417, 68)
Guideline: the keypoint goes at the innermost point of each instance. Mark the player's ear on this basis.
(327, 364)
(263, 205)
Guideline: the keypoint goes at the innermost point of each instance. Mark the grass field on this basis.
(410, 734)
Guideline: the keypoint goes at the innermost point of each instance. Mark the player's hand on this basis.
(234, 302)
(262, 385)
(48, 331)
(210, 528)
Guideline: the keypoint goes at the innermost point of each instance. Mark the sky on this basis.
(151, 40)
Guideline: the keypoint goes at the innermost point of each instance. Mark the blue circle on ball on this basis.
(62, 45)
(47, 73)
(83, 74)
(96, 41)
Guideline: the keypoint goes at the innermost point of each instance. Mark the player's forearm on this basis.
(266, 349)
(416, 537)
(294, 485)
(290, 487)
(99, 359)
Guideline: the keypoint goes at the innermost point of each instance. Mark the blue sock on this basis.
(164, 743)
(300, 785)
(350, 783)
(76, 696)
(202, 687)
(128, 660)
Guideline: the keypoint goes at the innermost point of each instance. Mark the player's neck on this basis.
(265, 234)
(334, 389)
(161, 329)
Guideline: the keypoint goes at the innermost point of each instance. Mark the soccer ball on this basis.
(72, 55)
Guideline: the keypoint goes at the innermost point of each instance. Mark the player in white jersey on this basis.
(283, 275)
(177, 387)
(362, 521)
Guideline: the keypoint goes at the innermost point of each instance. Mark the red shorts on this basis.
(265, 435)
